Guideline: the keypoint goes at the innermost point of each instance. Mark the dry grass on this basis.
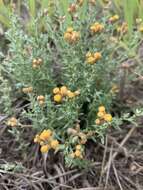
(117, 165)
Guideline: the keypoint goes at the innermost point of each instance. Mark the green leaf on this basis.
(130, 8)
(64, 7)
(44, 4)
(4, 14)
(4, 21)
(83, 11)
(32, 7)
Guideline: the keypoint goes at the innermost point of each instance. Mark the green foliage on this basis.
(18, 167)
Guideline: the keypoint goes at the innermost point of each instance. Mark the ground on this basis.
(116, 165)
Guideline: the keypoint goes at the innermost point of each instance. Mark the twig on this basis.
(116, 175)
(36, 178)
(103, 162)
(61, 179)
(108, 167)
(121, 145)
(128, 180)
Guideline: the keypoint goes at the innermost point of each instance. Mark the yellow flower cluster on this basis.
(92, 58)
(77, 153)
(62, 92)
(41, 100)
(12, 122)
(103, 116)
(71, 36)
(37, 63)
(96, 27)
(27, 89)
(46, 140)
(78, 135)
(114, 18)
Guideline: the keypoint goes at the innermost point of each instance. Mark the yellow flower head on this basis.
(56, 90)
(138, 20)
(12, 122)
(45, 135)
(96, 27)
(114, 18)
(45, 148)
(83, 138)
(69, 29)
(37, 62)
(34, 66)
(77, 92)
(71, 36)
(37, 139)
(101, 109)
(97, 56)
(78, 154)
(108, 117)
(41, 103)
(93, 29)
(72, 155)
(70, 94)
(75, 36)
(89, 54)
(27, 90)
(91, 60)
(54, 144)
(58, 98)
(78, 147)
(40, 98)
(141, 29)
(63, 90)
(100, 114)
(97, 121)
(42, 143)
(34, 61)
(67, 36)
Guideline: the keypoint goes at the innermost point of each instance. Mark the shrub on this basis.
(69, 76)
